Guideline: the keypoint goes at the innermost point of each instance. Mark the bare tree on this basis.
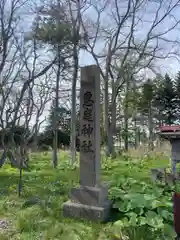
(10, 62)
(76, 9)
(39, 98)
(24, 91)
(118, 31)
(33, 105)
(29, 118)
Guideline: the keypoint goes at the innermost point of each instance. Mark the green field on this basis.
(141, 210)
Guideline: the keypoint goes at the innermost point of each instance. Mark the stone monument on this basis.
(90, 199)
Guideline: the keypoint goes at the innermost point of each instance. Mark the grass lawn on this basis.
(37, 214)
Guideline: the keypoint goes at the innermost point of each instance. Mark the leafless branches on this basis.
(127, 37)
(25, 85)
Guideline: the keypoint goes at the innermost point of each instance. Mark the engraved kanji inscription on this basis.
(88, 106)
(87, 130)
(86, 146)
(87, 99)
(87, 115)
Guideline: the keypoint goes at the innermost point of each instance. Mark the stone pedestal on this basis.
(90, 200)
(88, 203)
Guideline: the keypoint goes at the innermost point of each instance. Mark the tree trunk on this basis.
(55, 150)
(113, 115)
(126, 117)
(135, 132)
(110, 149)
(106, 119)
(135, 113)
(150, 128)
(126, 137)
(20, 178)
(112, 126)
(55, 117)
(35, 143)
(73, 112)
(73, 125)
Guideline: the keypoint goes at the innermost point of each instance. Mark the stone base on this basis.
(81, 211)
(92, 196)
(89, 203)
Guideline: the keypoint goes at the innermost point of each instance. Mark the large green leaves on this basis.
(142, 204)
(154, 220)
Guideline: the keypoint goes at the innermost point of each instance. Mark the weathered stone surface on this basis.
(82, 211)
(90, 200)
(90, 126)
(92, 196)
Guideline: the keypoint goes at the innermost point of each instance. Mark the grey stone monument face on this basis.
(90, 200)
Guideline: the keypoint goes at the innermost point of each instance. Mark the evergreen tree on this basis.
(146, 107)
(53, 29)
(177, 83)
(165, 100)
(63, 116)
(145, 101)
(177, 98)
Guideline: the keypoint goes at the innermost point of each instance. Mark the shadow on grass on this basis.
(115, 215)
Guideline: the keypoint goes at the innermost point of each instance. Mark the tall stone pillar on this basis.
(90, 200)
